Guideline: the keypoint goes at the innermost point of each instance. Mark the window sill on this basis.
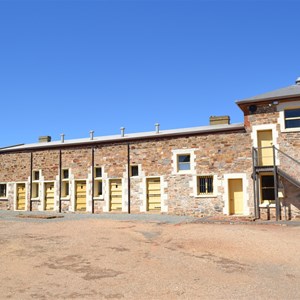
(297, 129)
(265, 205)
(65, 198)
(3, 199)
(186, 172)
(99, 198)
(207, 196)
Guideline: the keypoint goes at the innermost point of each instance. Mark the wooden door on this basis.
(153, 194)
(265, 150)
(236, 196)
(49, 196)
(80, 201)
(115, 194)
(21, 196)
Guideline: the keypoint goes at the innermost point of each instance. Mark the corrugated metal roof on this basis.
(131, 136)
(286, 92)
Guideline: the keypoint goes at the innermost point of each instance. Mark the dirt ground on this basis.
(106, 259)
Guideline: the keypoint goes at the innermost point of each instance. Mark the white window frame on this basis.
(176, 153)
(281, 108)
(35, 190)
(243, 176)
(208, 195)
(96, 181)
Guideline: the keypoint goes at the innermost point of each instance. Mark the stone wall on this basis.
(214, 154)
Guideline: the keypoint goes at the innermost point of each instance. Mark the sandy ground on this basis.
(106, 259)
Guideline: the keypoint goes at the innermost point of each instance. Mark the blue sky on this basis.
(72, 66)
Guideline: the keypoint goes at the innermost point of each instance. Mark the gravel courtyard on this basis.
(102, 258)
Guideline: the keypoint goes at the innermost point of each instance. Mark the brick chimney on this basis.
(217, 120)
(44, 139)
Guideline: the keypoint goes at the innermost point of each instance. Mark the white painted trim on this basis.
(281, 108)
(216, 184)
(43, 195)
(176, 153)
(273, 127)
(243, 176)
(163, 195)
(106, 208)
(26, 195)
(74, 181)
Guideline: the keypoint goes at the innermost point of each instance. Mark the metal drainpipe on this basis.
(93, 179)
(128, 175)
(278, 209)
(30, 189)
(254, 181)
(60, 181)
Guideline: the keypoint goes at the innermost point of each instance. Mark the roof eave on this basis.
(232, 127)
(284, 97)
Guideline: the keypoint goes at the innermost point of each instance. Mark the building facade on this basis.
(250, 168)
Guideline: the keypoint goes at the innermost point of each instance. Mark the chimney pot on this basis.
(122, 131)
(92, 134)
(157, 127)
(62, 137)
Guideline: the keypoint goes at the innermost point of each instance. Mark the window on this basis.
(292, 118)
(35, 190)
(65, 174)
(36, 175)
(134, 171)
(205, 185)
(65, 189)
(98, 172)
(98, 188)
(2, 190)
(184, 162)
(267, 189)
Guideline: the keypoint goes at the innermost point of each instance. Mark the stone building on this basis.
(250, 168)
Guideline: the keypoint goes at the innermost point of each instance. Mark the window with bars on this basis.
(205, 185)
(292, 118)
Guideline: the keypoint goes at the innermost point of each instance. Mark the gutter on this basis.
(117, 139)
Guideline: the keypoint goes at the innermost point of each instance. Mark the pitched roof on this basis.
(127, 137)
(286, 92)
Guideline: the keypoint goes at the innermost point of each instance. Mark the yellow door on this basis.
(21, 196)
(80, 201)
(153, 194)
(265, 150)
(115, 194)
(236, 197)
(49, 196)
